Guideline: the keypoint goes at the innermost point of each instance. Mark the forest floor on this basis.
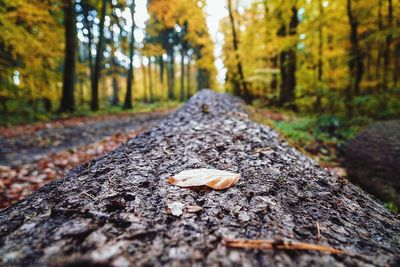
(32, 155)
(323, 138)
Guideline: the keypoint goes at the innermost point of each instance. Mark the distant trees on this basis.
(180, 26)
(59, 50)
(317, 56)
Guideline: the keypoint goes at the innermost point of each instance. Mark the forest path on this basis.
(29, 143)
(32, 155)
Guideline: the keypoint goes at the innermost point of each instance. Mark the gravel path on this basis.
(113, 211)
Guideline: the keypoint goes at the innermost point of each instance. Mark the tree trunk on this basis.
(116, 210)
(386, 55)
(379, 56)
(182, 93)
(355, 61)
(128, 95)
(89, 26)
(317, 105)
(189, 77)
(242, 81)
(149, 70)
(145, 98)
(94, 104)
(171, 74)
(161, 63)
(396, 64)
(67, 99)
(114, 69)
(288, 66)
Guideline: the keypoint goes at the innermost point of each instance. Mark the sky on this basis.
(216, 10)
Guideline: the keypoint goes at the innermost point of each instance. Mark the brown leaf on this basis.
(215, 179)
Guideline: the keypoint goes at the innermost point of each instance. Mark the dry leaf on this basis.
(194, 208)
(215, 179)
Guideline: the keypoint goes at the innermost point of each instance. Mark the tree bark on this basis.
(128, 95)
(68, 99)
(94, 104)
(114, 210)
(241, 83)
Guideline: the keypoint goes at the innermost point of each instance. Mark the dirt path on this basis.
(30, 144)
(34, 155)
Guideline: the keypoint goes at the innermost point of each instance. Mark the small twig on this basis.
(166, 151)
(89, 195)
(318, 231)
(112, 177)
(279, 244)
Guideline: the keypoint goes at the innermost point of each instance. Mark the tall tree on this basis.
(240, 85)
(386, 54)
(94, 104)
(151, 89)
(68, 100)
(355, 60)
(317, 105)
(128, 95)
(114, 69)
(89, 26)
(288, 63)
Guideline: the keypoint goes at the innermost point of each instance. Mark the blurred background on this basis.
(318, 71)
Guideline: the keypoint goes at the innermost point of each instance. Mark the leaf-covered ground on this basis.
(33, 155)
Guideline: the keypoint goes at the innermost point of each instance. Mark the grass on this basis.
(321, 136)
(26, 114)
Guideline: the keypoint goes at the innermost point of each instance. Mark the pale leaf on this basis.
(215, 179)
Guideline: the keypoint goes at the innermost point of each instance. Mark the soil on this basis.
(114, 211)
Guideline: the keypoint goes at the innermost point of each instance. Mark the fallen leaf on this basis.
(194, 209)
(215, 179)
(176, 208)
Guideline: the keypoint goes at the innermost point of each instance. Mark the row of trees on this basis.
(74, 52)
(341, 55)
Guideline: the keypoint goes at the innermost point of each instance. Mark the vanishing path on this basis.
(28, 145)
